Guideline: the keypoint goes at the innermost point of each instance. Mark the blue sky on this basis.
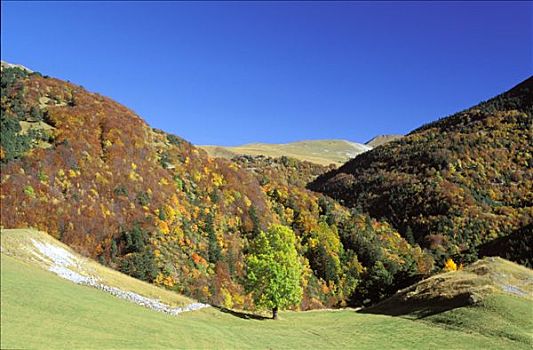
(236, 72)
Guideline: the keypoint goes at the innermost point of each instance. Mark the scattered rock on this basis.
(61, 260)
(509, 288)
(473, 299)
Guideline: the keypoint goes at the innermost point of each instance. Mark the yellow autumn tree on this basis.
(450, 265)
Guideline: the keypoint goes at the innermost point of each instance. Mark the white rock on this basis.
(62, 259)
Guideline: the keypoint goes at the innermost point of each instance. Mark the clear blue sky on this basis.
(232, 73)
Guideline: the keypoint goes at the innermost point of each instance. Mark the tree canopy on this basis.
(274, 270)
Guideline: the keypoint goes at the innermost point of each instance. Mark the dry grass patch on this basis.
(454, 289)
(18, 243)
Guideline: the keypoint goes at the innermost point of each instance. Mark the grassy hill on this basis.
(324, 152)
(451, 185)
(42, 311)
(473, 284)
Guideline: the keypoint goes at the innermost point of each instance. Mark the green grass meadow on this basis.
(42, 311)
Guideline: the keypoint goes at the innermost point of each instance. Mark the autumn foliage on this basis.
(454, 185)
(93, 174)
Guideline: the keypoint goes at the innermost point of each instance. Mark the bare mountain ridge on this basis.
(324, 152)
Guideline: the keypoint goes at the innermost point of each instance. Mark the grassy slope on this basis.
(322, 152)
(17, 243)
(476, 282)
(497, 315)
(41, 310)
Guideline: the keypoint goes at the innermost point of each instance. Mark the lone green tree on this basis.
(273, 269)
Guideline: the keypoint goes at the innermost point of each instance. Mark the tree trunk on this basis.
(275, 313)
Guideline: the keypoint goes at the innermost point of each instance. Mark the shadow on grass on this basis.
(418, 309)
(241, 314)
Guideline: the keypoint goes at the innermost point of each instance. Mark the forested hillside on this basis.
(454, 184)
(93, 174)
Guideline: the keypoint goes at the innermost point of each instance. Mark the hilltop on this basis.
(382, 139)
(323, 152)
(41, 309)
(451, 185)
(469, 286)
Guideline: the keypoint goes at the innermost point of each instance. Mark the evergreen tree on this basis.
(214, 249)
(409, 237)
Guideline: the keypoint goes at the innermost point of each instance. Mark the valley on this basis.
(63, 314)
(266, 175)
(122, 235)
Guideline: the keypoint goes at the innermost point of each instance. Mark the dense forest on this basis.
(455, 185)
(93, 174)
